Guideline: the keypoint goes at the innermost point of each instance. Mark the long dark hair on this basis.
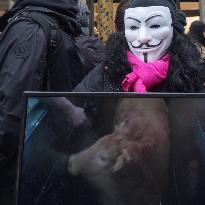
(119, 17)
(186, 71)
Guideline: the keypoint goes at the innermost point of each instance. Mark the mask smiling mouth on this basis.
(148, 46)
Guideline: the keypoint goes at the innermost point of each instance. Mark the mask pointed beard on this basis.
(145, 57)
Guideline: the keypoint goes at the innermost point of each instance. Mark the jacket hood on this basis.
(83, 18)
(66, 10)
(65, 7)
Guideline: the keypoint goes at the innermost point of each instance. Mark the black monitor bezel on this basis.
(35, 94)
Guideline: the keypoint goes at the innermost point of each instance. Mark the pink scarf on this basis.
(145, 75)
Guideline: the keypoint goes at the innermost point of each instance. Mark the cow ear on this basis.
(122, 124)
(122, 160)
(118, 164)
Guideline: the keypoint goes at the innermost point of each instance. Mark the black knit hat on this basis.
(178, 16)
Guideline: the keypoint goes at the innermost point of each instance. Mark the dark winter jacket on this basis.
(96, 81)
(92, 49)
(99, 81)
(24, 66)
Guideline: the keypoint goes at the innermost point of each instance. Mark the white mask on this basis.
(148, 31)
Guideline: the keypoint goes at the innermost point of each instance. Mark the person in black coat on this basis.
(147, 25)
(27, 62)
(197, 34)
(185, 72)
(91, 46)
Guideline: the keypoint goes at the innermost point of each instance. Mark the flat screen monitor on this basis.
(112, 149)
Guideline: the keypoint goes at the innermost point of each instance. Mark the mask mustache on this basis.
(147, 45)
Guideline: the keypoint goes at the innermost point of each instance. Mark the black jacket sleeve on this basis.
(22, 65)
(93, 50)
(95, 81)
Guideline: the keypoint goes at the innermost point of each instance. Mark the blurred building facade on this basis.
(103, 13)
(101, 25)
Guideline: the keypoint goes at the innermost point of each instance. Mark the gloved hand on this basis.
(76, 116)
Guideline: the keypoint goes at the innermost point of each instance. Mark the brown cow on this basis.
(130, 165)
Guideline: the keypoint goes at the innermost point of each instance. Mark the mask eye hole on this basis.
(134, 28)
(155, 26)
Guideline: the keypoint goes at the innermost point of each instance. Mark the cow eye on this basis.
(102, 159)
